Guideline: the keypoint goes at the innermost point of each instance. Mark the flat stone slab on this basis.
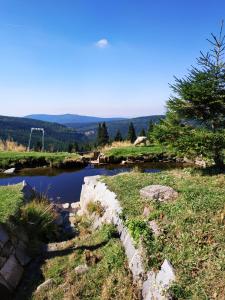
(21, 254)
(158, 192)
(12, 271)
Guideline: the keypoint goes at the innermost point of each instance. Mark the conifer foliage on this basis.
(131, 133)
(195, 119)
(118, 136)
(102, 134)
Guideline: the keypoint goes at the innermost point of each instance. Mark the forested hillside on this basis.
(90, 130)
(57, 137)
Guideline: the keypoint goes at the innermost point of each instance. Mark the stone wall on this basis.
(13, 251)
(153, 284)
(13, 257)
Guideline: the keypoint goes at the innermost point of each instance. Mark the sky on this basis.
(99, 57)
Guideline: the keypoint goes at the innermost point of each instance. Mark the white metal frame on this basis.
(43, 136)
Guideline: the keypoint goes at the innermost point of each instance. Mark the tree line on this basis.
(103, 135)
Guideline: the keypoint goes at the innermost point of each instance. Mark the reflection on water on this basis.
(62, 185)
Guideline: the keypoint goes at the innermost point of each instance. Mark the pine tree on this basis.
(199, 102)
(102, 134)
(131, 133)
(118, 136)
(150, 127)
(99, 135)
(142, 133)
(105, 135)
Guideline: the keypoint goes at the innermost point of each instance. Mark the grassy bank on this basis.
(11, 198)
(106, 277)
(132, 151)
(192, 226)
(14, 158)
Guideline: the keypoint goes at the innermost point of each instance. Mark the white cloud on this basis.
(103, 43)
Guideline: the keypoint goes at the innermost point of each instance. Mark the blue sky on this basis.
(98, 57)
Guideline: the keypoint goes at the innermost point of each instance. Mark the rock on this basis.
(65, 205)
(5, 289)
(59, 220)
(71, 221)
(154, 227)
(7, 249)
(21, 254)
(81, 269)
(157, 284)
(146, 211)
(28, 191)
(75, 206)
(140, 140)
(3, 236)
(166, 275)
(45, 285)
(101, 158)
(199, 161)
(2, 261)
(158, 192)
(12, 271)
(9, 171)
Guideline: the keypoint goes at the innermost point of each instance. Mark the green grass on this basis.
(107, 277)
(136, 151)
(10, 158)
(11, 199)
(193, 227)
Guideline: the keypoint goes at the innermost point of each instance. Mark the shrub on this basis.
(38, 217)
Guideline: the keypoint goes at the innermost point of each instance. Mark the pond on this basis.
(64, 185)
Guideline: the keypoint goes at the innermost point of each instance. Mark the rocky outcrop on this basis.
(154, 284)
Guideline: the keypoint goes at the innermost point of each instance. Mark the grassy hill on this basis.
(57, 136)
(90, 129)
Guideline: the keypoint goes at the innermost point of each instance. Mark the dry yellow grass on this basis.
(116, 145)
(10, 145)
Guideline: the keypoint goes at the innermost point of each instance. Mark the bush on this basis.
(38, 217)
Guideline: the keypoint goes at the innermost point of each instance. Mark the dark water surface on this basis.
(63, 185)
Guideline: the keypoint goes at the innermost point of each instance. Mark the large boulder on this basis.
(140, 140)
(158, 192)
(9, 171)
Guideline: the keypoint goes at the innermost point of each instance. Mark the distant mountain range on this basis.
(70, 118)
(90, 129)
(57, 136)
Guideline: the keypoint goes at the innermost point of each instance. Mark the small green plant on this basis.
(139, 230)
(95, 207)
